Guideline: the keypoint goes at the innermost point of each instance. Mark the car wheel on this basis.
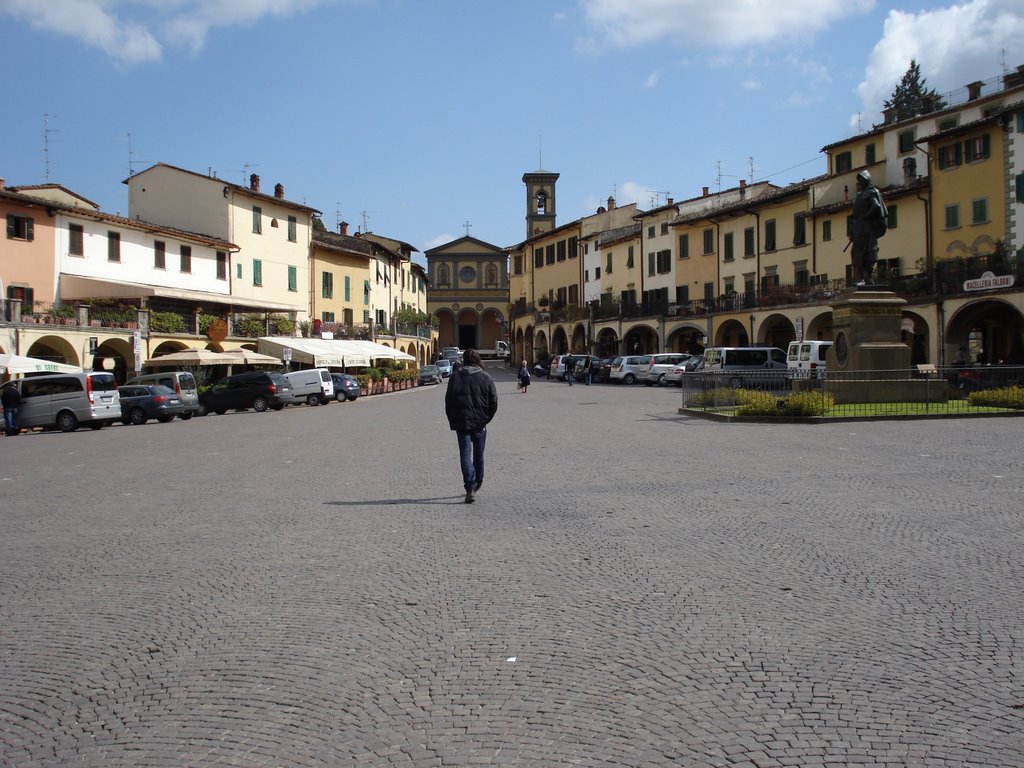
(221, 411)
(629, 378)
(137, 416)
(278, 407)
(165, 419)
(203, 409)
(97, 424)
(260, 404)
(185, 416)
(310, 400)
(67, 421)
(352, 398)
(661, 380)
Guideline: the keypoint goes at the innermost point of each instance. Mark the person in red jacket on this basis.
(470, 403)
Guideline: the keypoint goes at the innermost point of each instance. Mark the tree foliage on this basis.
(912, 96)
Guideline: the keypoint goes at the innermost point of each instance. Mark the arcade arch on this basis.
(987, 332)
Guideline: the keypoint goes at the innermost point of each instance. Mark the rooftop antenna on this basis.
(337, 216)
(750, 160)
(47, 130)
(246, 167)
(540, 151)
(366, 219)
(131, 157)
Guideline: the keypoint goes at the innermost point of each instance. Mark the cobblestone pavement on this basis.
(632, 588)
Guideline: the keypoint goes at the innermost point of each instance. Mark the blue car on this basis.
(142, 402)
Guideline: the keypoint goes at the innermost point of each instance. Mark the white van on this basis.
(806, 359)
(182, 382)
(313, 385)
(66, 400)
(748, 365)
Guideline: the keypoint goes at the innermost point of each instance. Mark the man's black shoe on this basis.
(469, 496)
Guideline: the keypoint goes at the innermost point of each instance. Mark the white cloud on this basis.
(954, 46)
(725, 23)
(131, 30)
(753, 84)
(437, 240)
(652, 80)
(90, 22)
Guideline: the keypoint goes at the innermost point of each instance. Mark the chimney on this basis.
(705, 191)
(974, 90)
(889, 115)
(1014, 79)
(254, 183)
(1, 183)
(343, 228)
(279, 191)
(611, 203)
(669, 201)
(743, 189)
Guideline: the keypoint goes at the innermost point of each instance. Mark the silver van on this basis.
(182, 382)
(67, 400)
(748, 365)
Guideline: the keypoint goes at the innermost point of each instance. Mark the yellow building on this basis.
(340, 294)
(468, 293)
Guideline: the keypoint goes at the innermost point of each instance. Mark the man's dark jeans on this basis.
(471, 456)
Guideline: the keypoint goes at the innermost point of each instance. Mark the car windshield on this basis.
(428, 369)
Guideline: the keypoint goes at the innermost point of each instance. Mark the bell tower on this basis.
(540, 202)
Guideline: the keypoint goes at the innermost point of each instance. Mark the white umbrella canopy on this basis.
(14, 364)
(249, 357)
(193, 357)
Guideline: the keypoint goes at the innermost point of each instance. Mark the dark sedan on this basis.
(345, 387)
(142, 402)
(429, 374)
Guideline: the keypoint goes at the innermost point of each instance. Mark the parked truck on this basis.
(501, 351)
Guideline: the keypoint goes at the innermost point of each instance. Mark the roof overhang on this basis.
(74, 287)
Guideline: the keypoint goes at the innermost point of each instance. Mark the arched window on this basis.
(443, 275)
(492, 274)
(542, 202)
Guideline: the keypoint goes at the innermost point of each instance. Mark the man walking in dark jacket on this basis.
(470, 403)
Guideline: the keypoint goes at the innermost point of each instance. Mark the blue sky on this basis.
(410, 118)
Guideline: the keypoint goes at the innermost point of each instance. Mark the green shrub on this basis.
(386, 364)
(363, 380)
(250, 326)
(751, 403)
(205, 321)
(285, 326)
(374, 374)
(808, 404)
(166, 322)
(1005, 397)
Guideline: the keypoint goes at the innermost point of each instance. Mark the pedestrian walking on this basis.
(570, 369)
(588, 369)
(524, 377)
(470, 403)
(10, 397)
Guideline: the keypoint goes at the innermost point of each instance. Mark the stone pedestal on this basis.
(866, 324)
(868, 363)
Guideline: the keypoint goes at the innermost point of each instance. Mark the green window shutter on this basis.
(1020, 121)
(684, 246)
(826, 230)
(1020, 181)
(348, 288)
(238, 271)
(366, 291)
(257, 272)
(958, 154)
(893, 221)
(942, 159)
(748, 241)
(10, 226)
(292, 227)
(293, 278)
(986, 145)
(769, 235)
(727, 245)
(29, 229)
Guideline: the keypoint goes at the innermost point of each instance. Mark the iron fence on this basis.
(921, 391)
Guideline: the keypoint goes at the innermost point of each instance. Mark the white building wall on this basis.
(137, 257)
(591, 263)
